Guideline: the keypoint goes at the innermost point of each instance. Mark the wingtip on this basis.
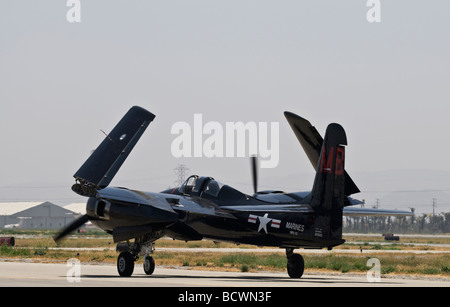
(150, 116)
(288, 114)
(294, 117)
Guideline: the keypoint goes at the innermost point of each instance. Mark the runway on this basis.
(26, 274)
(271, 250)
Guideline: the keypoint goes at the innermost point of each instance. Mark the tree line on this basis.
(420, 224)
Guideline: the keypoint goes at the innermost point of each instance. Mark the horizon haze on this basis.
(385, 82)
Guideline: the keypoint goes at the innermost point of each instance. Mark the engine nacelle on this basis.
(98, 208)
(110, 215)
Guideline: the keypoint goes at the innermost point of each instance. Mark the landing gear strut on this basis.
(130, 253)
(295, 265)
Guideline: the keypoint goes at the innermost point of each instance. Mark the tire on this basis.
(149, 265)
(295, 266)
(125, 264)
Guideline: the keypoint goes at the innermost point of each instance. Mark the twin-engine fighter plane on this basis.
(203, 208)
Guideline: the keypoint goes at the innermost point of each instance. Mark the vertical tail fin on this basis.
(327, 196)
(312, 141)
(101, 167)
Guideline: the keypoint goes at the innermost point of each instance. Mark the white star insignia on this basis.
(263, 221)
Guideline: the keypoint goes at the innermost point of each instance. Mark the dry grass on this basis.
(403, 240)
(38, 249)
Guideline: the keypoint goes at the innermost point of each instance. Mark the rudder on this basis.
(327, 195)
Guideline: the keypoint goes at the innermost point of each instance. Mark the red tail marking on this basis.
(340, 153)
(326, 163)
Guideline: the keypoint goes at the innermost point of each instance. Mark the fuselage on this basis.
(214, 211)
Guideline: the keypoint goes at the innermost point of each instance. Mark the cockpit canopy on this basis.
(222, 194)
(200, 186)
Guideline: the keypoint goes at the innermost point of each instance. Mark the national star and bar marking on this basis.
(264, 221)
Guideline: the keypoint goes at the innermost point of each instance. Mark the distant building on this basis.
(78, 208)
(35, 215)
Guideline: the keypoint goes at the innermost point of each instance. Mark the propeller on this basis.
(72, 227)
(254, 165)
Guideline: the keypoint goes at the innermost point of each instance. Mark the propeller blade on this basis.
(254, 162)
(72, 227)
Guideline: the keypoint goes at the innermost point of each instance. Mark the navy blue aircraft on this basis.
(204, 208)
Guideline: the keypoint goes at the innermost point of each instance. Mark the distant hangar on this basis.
(38, 215)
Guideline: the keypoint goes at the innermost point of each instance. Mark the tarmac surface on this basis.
(268, 250)
(28, 274)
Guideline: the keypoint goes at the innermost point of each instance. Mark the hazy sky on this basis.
(386, 83)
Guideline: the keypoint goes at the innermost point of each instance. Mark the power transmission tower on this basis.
(434, 204)
(181, 171)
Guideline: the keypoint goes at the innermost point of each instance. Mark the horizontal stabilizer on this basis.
(351, 211)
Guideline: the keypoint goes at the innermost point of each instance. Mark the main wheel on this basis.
(295, 266)
(149, 265)
(125, 264)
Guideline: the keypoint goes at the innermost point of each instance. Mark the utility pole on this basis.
(434, 204)
(181, 171)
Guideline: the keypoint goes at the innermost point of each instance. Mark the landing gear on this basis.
(149, 264)
(295, 265)
(130, 253)
(125, 264)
